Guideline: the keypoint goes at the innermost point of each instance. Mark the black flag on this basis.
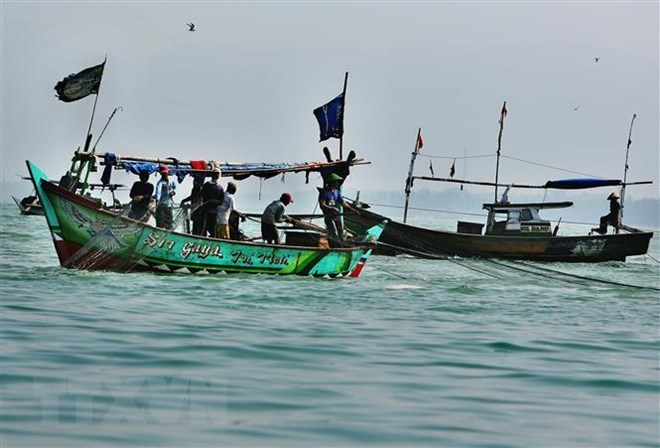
(78, 85)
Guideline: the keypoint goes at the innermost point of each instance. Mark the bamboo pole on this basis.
(625, 170)
(409, 179)
(499, 146)
(492, 184)
(171, 161)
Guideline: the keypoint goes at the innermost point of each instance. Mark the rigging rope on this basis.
(454, 158)
(548, 166)
(510, 158)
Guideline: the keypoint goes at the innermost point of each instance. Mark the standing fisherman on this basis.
(165, 190)
(140, 194)
(213, 194)
(197, 213)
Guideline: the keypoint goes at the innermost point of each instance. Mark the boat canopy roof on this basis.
(578, 184)
(503, 206)
(238, 171)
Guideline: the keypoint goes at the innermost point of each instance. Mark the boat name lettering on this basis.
(202, 250)
(272, 258)
(154, 241)
(534, 228)
(238, 256)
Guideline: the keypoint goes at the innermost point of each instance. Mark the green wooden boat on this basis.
(88, 236)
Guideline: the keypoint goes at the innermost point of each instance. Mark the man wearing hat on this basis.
(225, 210)
(165, 190)
(330, 201)
(273, 214)
(612, 218)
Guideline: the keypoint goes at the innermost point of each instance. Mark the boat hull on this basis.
(422, 241)
(32, 209)
(87, 236)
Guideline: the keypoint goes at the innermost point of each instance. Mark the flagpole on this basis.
(499, 146)
(343, 107)
(625, 171)
(88, 138)
(409, 180)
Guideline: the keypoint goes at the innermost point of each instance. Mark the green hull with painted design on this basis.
(89, 237)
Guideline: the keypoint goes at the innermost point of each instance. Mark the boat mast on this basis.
(409, 180)
(625, 171)
(499, 146)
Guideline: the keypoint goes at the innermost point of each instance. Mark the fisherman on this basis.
(224, 211)
(613, 218)
(140, 194)
(197, 212)
(330, 201)
(165, 190)
(66, 181)
(212, 195)
(273, 214)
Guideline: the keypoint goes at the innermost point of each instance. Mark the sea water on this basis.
(413, 353)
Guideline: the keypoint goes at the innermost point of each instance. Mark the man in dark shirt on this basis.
(197, 212)
(331, 202)
(140, 194)
(612, 218)
(212, 194)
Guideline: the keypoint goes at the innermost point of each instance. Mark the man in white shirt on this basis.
(227, 206)
(165, 190)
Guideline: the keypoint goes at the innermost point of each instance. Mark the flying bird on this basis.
(576, 107)
(191, 26)
(596, 59)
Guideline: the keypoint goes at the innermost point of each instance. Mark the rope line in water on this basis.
(560, 273)
(472, 268)
(653, 258)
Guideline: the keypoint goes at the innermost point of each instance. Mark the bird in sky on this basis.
(576, 107)
(596, 59)
(191, 27)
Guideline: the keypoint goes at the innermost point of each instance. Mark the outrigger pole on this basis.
(343, 107)
(409, 180)
(499, 146)
(625, 171)
(105, 127)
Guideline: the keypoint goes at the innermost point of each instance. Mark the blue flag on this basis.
(331, 118)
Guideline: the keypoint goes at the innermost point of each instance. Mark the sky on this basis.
(242, 87)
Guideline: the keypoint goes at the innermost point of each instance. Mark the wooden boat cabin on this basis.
(520, 219)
